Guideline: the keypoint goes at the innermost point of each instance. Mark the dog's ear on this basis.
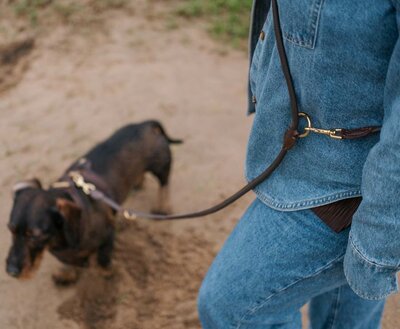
(68, 209)
(30, 183)
(71, 214)
(36, 182)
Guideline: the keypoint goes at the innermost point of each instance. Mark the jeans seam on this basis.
(336, 309)
(256, 308)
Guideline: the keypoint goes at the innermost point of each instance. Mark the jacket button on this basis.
(254, 99)
(262, 35)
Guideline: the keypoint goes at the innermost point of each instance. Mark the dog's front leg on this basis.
(104, 255)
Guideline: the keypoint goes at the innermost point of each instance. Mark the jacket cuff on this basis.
(367, 279)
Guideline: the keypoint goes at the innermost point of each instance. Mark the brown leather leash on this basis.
(81, 180)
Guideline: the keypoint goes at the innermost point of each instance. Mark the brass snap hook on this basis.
(335, 133)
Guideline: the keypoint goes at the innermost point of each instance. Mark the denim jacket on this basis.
(344, 57)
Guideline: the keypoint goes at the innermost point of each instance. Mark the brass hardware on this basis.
(129, 216)
(309, 124)
(332, 133)
(262, 35)
(328, 132)
(80, 182)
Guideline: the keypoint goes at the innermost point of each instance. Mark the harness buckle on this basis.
(80, 182)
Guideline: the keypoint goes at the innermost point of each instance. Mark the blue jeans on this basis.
(275, 262)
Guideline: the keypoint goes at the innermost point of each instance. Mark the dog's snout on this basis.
(13, 262)
(13, 270)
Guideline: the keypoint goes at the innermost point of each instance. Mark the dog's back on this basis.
(123, 158)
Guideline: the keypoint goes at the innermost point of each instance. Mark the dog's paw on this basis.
(107, 272)
(65, 276)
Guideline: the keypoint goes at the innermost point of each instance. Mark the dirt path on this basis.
(77, 90)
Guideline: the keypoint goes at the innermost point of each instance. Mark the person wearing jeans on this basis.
(344, 58)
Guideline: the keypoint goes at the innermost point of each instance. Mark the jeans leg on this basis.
(342, 308)
(272, 264)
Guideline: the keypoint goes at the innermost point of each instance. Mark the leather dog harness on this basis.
(85, 180)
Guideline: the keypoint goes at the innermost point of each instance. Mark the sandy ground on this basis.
(76, 91)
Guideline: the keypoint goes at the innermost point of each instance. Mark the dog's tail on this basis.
(170, 140)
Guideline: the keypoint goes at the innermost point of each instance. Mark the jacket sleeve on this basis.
(373, 252)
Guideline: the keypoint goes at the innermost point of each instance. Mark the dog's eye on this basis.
(32, 235)
(35, 237)
(29, 234)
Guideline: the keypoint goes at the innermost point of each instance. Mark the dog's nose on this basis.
(13, 270)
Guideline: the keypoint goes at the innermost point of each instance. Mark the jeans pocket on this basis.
(300, 20)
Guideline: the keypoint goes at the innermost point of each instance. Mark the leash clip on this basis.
(334, 133)
(80, 182)
(129, 216)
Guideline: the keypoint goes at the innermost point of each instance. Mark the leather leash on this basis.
(77, 178)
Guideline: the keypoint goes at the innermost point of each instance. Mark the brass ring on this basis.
(309, 124)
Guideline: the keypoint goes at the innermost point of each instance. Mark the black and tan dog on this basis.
(71, 225)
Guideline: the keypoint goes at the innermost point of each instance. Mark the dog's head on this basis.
(37, 216)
